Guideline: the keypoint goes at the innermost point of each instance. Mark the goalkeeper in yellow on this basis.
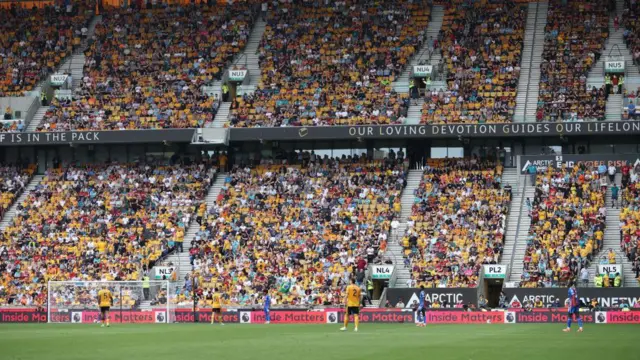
(105, 300)
(352, 300)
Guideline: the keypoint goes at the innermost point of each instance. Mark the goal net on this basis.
(133, 302)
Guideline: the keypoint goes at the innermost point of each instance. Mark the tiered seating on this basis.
(574, 41)
(630, 218)
(96, 223)
(333, 64)
(631, 24)
(631, 103)
(567, 225)
(146, 69)
(457, 222)
(13, 180)
(295, 230)
(481, 48)
(33, 42)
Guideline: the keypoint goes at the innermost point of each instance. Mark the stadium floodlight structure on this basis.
(133, 302)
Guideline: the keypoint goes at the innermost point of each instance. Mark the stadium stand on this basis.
(481, 47)
(457, 222)
(574, 41)
(13, 180)
(631, 24)
(97, 222)
(630, 217)
(333, 64)
(299, 229)
(146, 68)
(33, 42)
(568, 217)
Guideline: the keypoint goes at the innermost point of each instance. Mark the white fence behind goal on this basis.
(77, 301)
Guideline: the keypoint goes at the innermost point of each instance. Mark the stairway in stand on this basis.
(11, 212)
(73, 65)
(612, 241)
(422, 54)
(414, 115)
(249, 57)
(511, 176)
(516, 234)
(221, 116)
(181, 260)
(529, 82)
(596, 75)
(394, 247)
(614, 107)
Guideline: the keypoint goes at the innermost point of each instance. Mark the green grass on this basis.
(311, 342)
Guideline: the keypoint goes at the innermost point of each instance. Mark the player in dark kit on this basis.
(421, 311)
(574, 308)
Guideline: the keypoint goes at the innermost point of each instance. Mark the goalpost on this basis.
(76, 301)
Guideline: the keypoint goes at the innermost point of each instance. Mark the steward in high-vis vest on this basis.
(225, 92)
(598, 280)
(145, 287)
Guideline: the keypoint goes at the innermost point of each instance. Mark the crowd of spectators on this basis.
(631, 102)
(300, 231)
(457, 222)
(146, 68)
(332, 63)
(13, 180)
(568, 217)
(97, 222)
(630, 216)
(33, 42)
(631, 25)
(573, 43)
(481, 45)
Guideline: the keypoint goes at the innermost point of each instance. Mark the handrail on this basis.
(513, 251)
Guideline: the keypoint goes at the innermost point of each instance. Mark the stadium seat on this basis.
(146, 68)
(297, 229)
(457, 223)
(574, 41)
(568, 217)
(481, 48)
(97, 222)
(339, 63)
(33, 42)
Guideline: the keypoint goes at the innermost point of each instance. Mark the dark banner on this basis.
(607, 297)
(558, 161)
(436, 131)
(96, 137)
(449, 295)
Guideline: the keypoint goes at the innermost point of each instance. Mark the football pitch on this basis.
(321, 342)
